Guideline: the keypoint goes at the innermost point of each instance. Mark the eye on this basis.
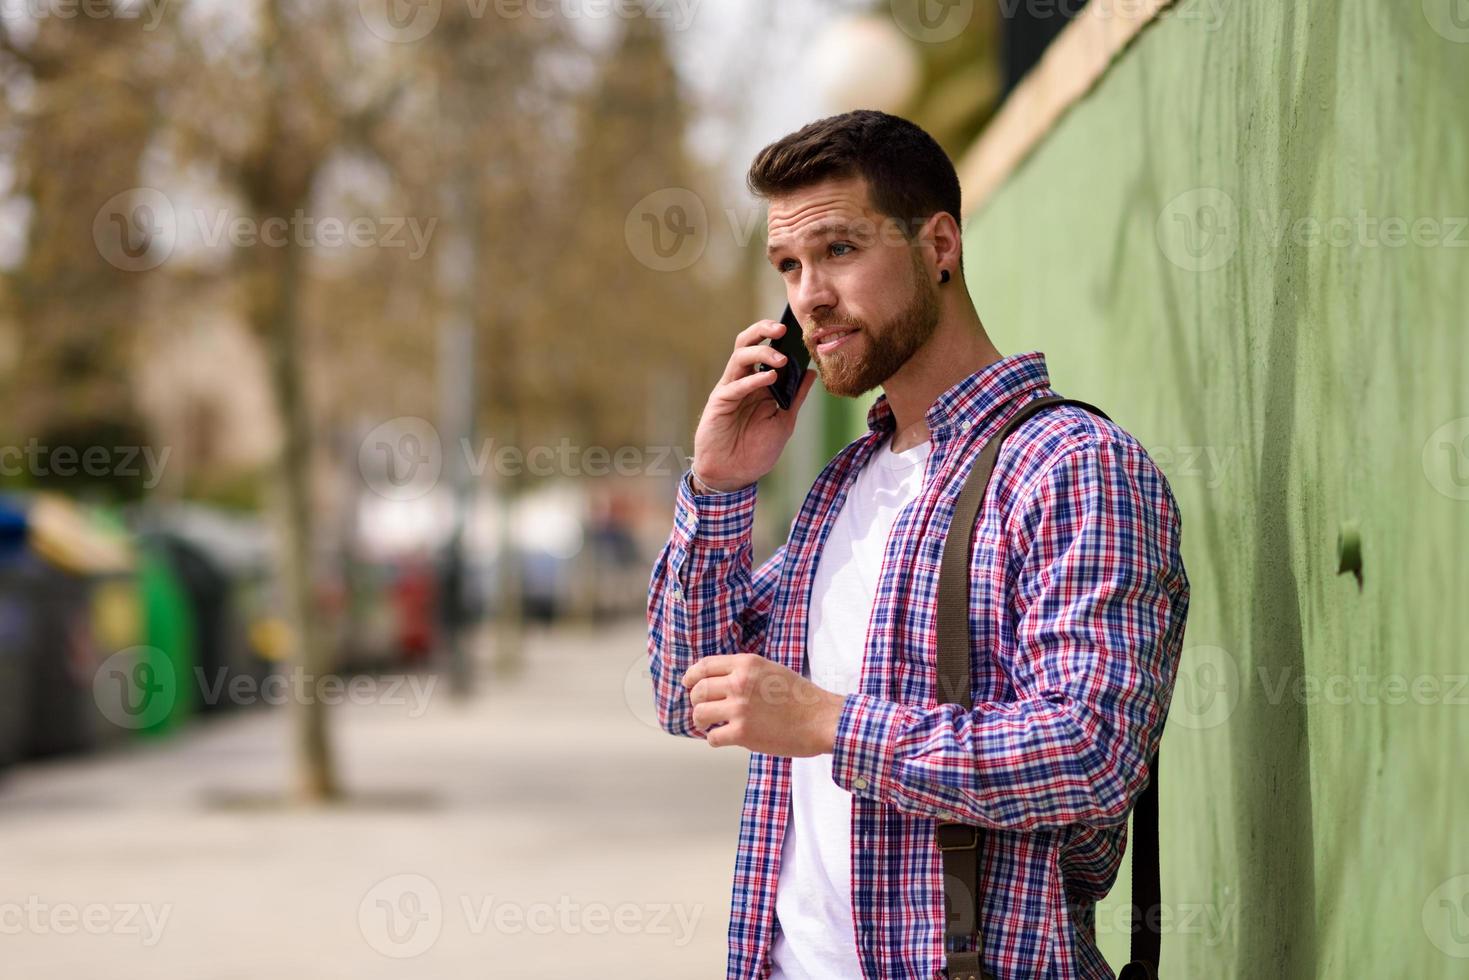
(785, 266)
(837, 245)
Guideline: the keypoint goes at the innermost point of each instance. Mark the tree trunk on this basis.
(278, 322)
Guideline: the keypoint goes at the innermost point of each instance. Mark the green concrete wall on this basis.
(1204, 248)
(1249, 245)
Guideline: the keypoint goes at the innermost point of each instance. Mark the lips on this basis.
(830, 339)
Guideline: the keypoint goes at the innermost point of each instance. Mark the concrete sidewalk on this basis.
(546, 828)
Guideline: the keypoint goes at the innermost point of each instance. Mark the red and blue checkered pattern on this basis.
(1078, 600)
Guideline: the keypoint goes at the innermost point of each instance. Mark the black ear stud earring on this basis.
(944, 277)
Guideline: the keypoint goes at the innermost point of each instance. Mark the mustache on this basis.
(816, 326)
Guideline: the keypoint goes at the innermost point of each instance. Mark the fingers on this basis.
(712, 713)
(714, 665)
(744, 359)
(758, 331)
(709, 689)
(736, 391)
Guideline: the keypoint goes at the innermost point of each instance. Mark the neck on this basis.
(958, 348)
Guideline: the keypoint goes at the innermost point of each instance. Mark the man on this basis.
(822, 661)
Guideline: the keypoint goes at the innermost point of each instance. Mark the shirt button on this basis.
(860, 783)
(677, 592)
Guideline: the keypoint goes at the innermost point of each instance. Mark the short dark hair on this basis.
(909, 176)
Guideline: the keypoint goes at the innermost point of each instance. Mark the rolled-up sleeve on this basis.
(703, 598)
(1102, 597)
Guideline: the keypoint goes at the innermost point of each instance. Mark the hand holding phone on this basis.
(798, 358)
(742, 430)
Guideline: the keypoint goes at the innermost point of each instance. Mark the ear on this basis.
(943, 235)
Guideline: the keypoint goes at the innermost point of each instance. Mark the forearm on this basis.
(703, 597)
(1025, 766)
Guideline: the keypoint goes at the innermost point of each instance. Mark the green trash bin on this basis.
(169, 651)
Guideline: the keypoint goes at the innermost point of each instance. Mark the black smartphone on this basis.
(793, 345)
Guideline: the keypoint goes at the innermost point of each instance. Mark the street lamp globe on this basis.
(864, 62)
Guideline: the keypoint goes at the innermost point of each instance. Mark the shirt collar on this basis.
(975, 397)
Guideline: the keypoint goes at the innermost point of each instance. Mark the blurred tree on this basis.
(641, 325)
(651, 279)
(500, 176)
(530, 143)
(297, 102)
(82, 101)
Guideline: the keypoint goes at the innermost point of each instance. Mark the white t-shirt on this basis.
(813, 901)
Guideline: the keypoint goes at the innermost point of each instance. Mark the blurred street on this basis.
(545, 828)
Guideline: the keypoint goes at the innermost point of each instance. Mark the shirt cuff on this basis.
(866, 744)
(719, 519)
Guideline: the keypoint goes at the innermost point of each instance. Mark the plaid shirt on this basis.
(1077, 609)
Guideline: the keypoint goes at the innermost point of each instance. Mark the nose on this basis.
(815, 297)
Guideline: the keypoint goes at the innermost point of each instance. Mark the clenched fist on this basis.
(744, 699)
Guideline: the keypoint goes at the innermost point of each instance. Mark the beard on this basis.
(853, 370)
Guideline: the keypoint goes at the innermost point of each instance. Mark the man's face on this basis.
(859, 287)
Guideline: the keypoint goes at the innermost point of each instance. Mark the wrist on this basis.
(828, 719)
(703, 489)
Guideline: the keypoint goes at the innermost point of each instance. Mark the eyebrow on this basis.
(825, 228)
